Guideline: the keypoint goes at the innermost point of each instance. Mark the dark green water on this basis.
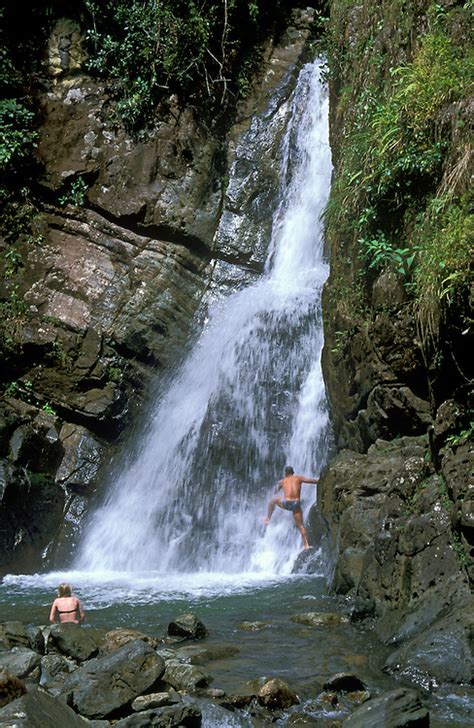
(302, 656)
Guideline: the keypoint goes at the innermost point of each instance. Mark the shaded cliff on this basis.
(107, 255)
(398, 498)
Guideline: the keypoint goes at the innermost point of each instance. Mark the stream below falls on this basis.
(304, 657)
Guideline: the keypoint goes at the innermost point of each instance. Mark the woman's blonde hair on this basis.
(64, 590)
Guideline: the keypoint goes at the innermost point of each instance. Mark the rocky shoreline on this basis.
(75, 676)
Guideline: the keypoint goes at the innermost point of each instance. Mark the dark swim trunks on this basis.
(290, 505)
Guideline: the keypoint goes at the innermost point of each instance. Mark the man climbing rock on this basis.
(291, 486)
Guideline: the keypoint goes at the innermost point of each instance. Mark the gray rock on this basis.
(388, 290)
(399, 625)
(202, 654)
(187, 626)
(73, 641)
(320, 619)
(275, 694)
(155, 700)
(22, 662)
(307, 562)
(36, 637)
(395, 709)
(174, 716)
(102, 685)
(55, 668)
(15, 634)
(31, 509)
(11, 687)
(183, 676)
(37, 709)
(344, 682)
(439, 654)
(116, 638)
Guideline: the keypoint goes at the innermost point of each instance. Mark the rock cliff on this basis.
(398, 496)
(99, 296)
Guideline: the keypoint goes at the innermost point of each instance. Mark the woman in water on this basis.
(68, 607)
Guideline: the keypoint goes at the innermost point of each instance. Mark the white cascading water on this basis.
(249, 400)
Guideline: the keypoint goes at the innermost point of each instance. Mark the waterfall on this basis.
(248, 400)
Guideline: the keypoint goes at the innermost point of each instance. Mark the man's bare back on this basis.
(291, 486)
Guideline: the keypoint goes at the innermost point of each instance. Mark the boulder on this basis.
(155, 700)
(309, 560)
(118, 637)
(15, 634)
(344, 682)
(22, 662)
(275, 694)
(182, 676)
(74, 641)
(36, 636)
(10, 687)
(105, 684)
(37, 709)
(187, 626)
(172, 716)
(55, 669)
(441, 653)
(320, 619)
(202, 654)
(396, 709)
(31, 509)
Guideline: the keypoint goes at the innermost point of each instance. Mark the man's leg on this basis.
(271, 507)
(298, 515)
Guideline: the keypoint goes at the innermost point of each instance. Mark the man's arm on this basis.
(278, 486)
(304, 479)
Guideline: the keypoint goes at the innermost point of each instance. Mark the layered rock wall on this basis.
(398, 496)
(132, 233)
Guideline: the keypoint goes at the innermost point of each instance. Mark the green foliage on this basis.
(197, 49)
(114, 374)
(11, 389)
(444, 235)
(17, 136)
(48, 409)
(459, 550)
(381, 254)
(462, 437)
(149, 46)
(39, 480)
(400, 169)
(76, 194)
(444, 497)
(13, 261)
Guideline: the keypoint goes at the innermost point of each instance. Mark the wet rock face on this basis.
(394, 709)
(119, 262)
(276, 694)
(31, 508)
(11, 687)
(391, 522)
(254, 151)
(375, 378)
(391, 519)
(105, 684)
(167, 179)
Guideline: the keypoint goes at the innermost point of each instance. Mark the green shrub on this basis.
(76, 194)
(200, 50)
(17, 136)
(444, 237)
